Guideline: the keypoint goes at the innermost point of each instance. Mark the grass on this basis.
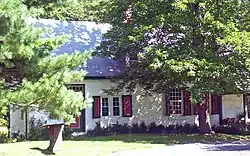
(100, 146)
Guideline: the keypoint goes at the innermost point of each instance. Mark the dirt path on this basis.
(225, 149)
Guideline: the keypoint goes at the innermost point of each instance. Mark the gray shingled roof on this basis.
(83, 35)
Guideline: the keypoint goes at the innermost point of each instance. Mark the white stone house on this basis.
(172, 107)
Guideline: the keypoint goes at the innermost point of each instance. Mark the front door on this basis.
(79, 124)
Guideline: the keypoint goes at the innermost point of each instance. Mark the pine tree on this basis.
(31, 76)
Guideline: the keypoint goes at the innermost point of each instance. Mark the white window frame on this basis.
(108, 106)
(111, 106)
(119, 105)
(22, 114)
(181, 101)
(80, 87)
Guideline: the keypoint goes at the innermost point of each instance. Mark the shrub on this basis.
(142, 128)
(4, 136)
(97, 131)
(38, 133)
(3, 122)
(194, 129)
(125, 129)
(117, 128)
(169, 128)
(153, 128)
(187, 128)
(67, 133)
(233, 126)
(18, 136)
(179, 129)
(136, 128)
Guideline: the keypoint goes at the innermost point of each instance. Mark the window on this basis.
(77, 87)
(105, 107)
(176, 101)
(22, 114)
(116, 107)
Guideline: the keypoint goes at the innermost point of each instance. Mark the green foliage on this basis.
(199, 45)
(41, 76)
(3, 122)
(117, 128)
(4, 136)
(73, 10)
(3, 117)
(233, 126)
(67, 133)
(36, 131)
(39, 133)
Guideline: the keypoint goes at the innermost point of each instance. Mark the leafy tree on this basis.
(31, 75)
(199, 45)
(74, 10)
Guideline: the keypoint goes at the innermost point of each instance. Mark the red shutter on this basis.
(167, 98)
(215, 104)
(127, 105)
(187, 103)
(96, 107)
(76, 124)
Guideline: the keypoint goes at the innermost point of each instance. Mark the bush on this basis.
(136, 128)
(67, 133)
(142, 128)
(38, 133)
(18, 137)
(229, 127)
(232, 126)
(125, 129)
(4, 136)
(152, 128)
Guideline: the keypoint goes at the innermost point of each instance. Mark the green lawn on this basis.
(99, 146)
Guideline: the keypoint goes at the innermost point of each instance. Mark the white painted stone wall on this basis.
(232, 105)
(145, 109)
(17, 121)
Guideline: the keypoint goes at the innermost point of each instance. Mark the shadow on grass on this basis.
(166, 139)
(44, 151)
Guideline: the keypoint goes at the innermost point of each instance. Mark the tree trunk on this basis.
(204, 119)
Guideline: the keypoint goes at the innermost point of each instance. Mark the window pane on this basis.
(105, 107)
(115, 101)
(105, 102)
(175, 101)
(105, 111)
(116, 111)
